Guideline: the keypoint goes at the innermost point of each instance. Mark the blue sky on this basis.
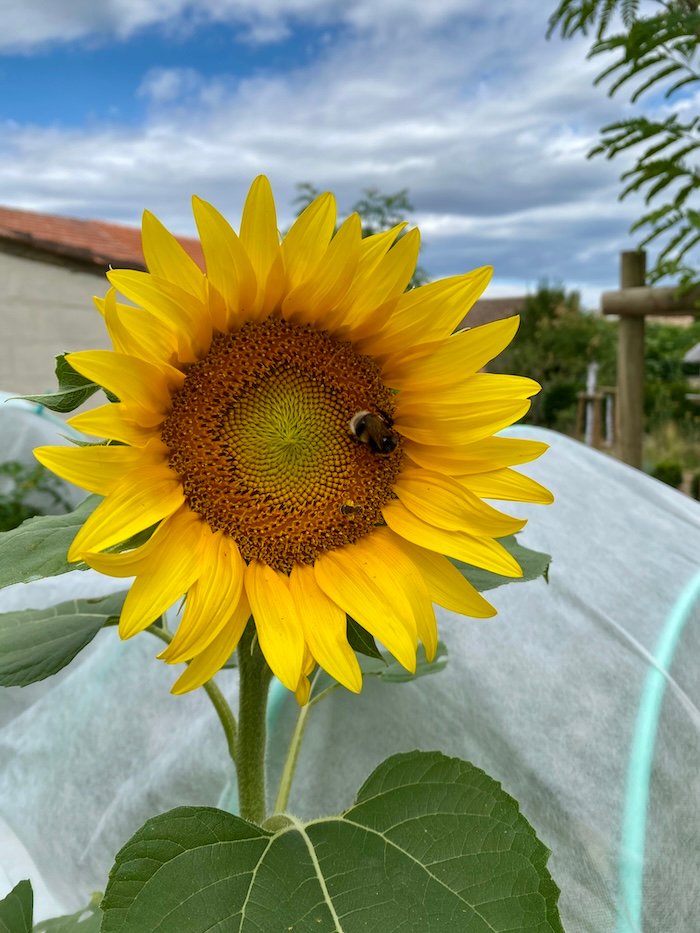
(109, 108)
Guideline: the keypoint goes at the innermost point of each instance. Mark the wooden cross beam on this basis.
(632, 303)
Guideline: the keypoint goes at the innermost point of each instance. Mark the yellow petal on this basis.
(459, 427)
(135, 332)
(372, 251)
(101, 468)
(399, 563)
(228, 267)
(325, 628)
(481, 389)
(507, 485)
(188, 316)
(212, 659)
(441, 364)
(132, 562)
(144, 497)
(307, 240)
(361, 583)
(167, 259)
(389, 281)
(166, 574)
(479, 457)
(310, 302)
(260, 238)
(112, 422)
(428, 313)
(443, 502)
(447, 587)
(133, 381)
(209, 600)
(481, 552)
(277, 622)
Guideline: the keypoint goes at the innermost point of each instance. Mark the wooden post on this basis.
(630, 365)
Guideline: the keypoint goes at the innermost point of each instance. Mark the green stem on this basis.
(293, 752)
(223, 710)
(255, 676)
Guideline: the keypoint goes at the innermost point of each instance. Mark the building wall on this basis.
(45, 310)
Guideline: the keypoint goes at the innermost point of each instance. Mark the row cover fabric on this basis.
(581, 697)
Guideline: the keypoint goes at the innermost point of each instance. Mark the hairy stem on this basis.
(255, 676)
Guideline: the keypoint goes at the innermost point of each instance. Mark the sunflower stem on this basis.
(290, 763)
(221, 706)
(255, 676)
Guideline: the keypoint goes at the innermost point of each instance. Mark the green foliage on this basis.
(533, 564)
(554, 345)
(88, 920)
(655, 52)
(73, 389)
(38, 547)
(431, 844)
(377, 212)
(36, 643)
(669, 472)
(666, 385)
(16, 909)
(20, 484)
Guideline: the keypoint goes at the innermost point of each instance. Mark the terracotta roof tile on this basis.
(92, 241)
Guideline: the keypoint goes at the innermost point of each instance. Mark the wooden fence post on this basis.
(630, 365)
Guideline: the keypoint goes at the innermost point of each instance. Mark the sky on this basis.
(110, 107)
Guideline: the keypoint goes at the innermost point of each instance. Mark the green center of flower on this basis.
(259, 436)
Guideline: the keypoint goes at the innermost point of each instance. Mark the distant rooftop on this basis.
(91, 243)
(96, 244)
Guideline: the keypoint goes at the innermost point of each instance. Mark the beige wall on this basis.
(44, 310)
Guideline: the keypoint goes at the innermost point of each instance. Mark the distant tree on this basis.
(555, 343)
(654, 52)
(377, 212)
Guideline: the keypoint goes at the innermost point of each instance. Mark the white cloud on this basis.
(485, 123)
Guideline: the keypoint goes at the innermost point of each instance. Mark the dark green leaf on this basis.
(35, 643)
(73, 389)
(16, 909)
(534, 564)
(432, 845)
(38, 547)
(87, 920)
(361, 641)
(390, 671)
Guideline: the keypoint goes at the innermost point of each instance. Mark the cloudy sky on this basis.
(109, 107)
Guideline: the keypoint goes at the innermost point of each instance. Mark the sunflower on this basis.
(306, 439)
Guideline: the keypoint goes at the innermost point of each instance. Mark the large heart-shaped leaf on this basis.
(35, 643)
(431, 845)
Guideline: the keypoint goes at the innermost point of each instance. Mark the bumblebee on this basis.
(374, 430)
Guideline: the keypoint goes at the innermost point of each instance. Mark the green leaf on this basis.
(431, 845)
(73, 389)
(361, 641)
(38, 547)
(35, 643)
(16, 909)
(389, 670)
(534, 564)
(87, 920)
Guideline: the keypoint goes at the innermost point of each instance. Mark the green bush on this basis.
(669, 472)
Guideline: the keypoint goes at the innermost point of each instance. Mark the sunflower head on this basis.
(308, 440)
